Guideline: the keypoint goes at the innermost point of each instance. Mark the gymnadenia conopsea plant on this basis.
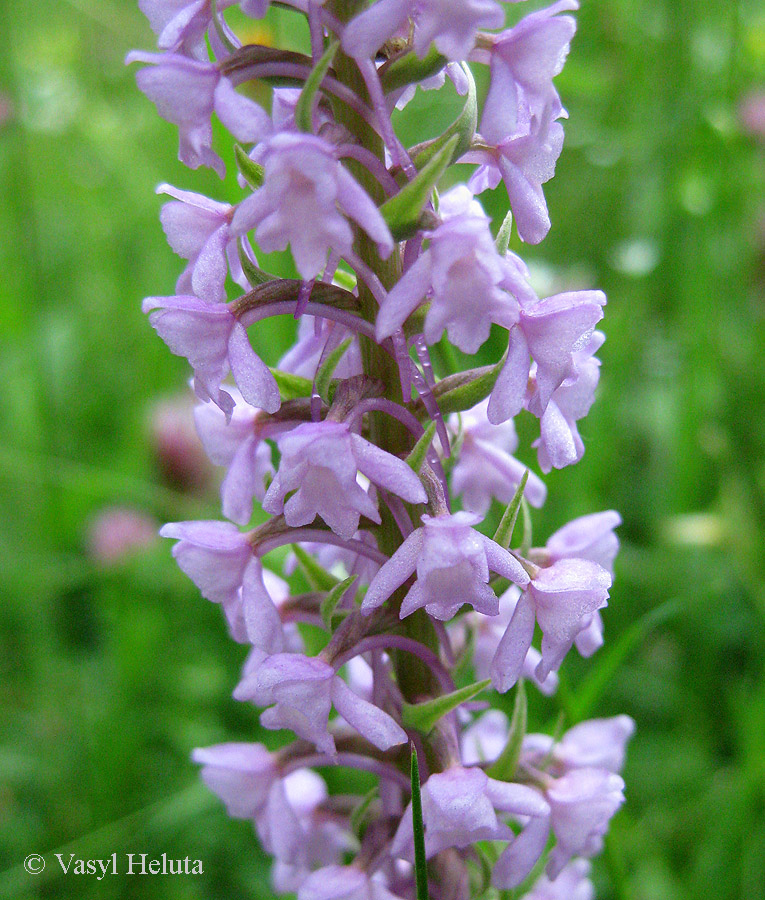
(377, 467)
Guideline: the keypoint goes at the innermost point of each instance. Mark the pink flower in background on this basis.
(240, 446)
(198, 229)
(467, 282)
(588, 537)
(596, 743)
(305, 356)
(551, 332)
(180, 25)
(485, 468)
(524, 61)
(219, 559)
(524, 160)
(561, 599)
(177, 450)
(460, 806)
(240, 774)
(343, 883)
(487, 632)
(118, 532)
(582, 804)
(559, 443)
(751, 112)
(293, 829)
(571, 883)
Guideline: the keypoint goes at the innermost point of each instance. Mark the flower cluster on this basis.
(360, 448)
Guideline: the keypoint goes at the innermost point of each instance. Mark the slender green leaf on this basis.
(527, 537)
(346, 280)
(318, 577)
(252, 273)
(423, 716)
(486, 860)
(292, 387)
(504, 767)
(556, 735)
(325, 373)
(457, 393)
(359, 814)
(307, 98)
(504, 533)
(503, 235)
(410, 69)
(253, 173)
(420, 450)
(329, 603)
(403, 211)
(418, 827)
(465, 659)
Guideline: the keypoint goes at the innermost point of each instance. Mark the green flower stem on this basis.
(414, 678)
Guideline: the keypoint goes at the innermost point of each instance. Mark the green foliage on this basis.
(252, 172)
(504, 533)
(466, 389)
(504, 234)
(404, 210)
(327, 370)
(420, 860)
(252, 273)
(423, 716)
(420, 450)
(503, 769)
(329, 603)
(409, 69)
(307, 99)
(318, 578)
(291, 387)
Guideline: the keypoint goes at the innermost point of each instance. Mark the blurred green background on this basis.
(110, 673)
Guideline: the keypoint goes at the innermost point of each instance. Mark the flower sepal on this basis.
(408, 68)
(403, 211)
(423, 716)
(465, 390)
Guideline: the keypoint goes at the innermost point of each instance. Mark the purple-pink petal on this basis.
(369, 720)
(387, 470)
(394, 572)
(511, 652)
(509, 392)
(264, 627)
(240, 774)
(252, 375)
(369, 30)
(404, 297)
